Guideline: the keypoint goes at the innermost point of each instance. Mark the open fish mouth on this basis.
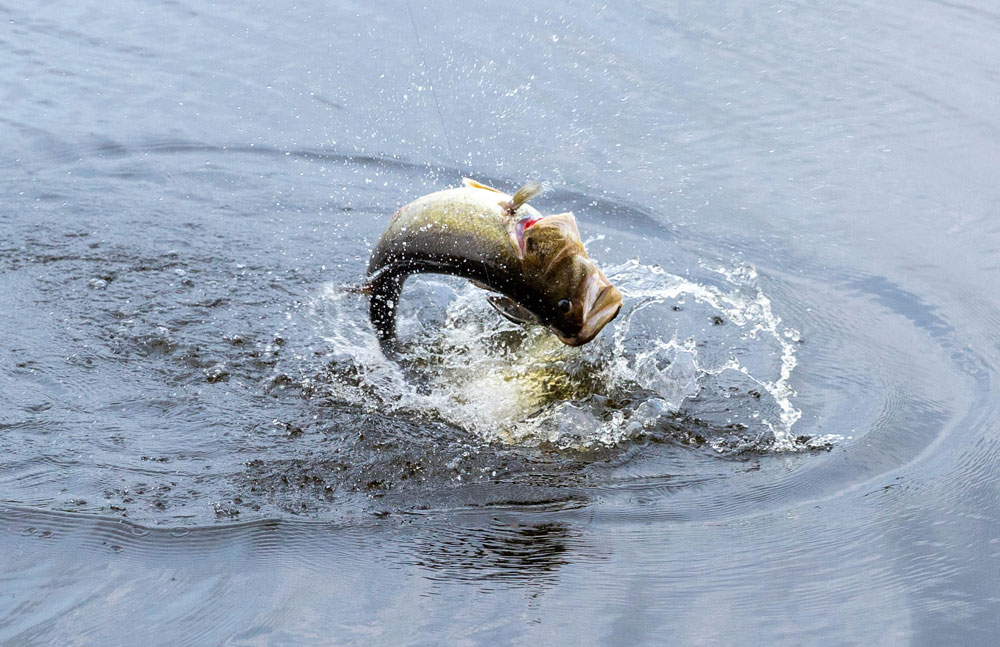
(602, 302)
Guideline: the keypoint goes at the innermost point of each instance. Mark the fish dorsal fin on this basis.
(472, 184)
(525, 193)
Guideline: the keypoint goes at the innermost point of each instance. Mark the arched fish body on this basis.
(535, 264)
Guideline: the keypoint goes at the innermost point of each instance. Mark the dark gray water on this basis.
(789, 436)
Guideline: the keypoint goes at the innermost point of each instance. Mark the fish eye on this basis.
(565, 305)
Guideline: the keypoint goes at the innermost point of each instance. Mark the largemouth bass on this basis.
(535, 265)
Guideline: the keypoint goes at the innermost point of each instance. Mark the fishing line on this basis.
(423, 65)
(437, 107)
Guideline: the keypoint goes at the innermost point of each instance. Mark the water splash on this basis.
(702, 362)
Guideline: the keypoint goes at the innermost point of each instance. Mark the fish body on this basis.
(535, 264)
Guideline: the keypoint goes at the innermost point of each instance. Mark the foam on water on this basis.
(685, 361)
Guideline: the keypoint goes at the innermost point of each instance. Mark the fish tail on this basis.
(383, 296)
(363, 288)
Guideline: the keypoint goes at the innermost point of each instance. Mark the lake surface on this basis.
(791, 434)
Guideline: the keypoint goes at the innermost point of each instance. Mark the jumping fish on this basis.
(535, 265)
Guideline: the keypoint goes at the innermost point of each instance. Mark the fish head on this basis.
(569, 292)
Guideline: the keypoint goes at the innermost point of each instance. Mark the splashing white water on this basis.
(680, 350)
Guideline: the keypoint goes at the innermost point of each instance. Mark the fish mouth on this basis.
(602, 302)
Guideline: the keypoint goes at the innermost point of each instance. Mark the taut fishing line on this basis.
(423, 66)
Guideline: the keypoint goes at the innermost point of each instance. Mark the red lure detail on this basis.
(523, 224)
